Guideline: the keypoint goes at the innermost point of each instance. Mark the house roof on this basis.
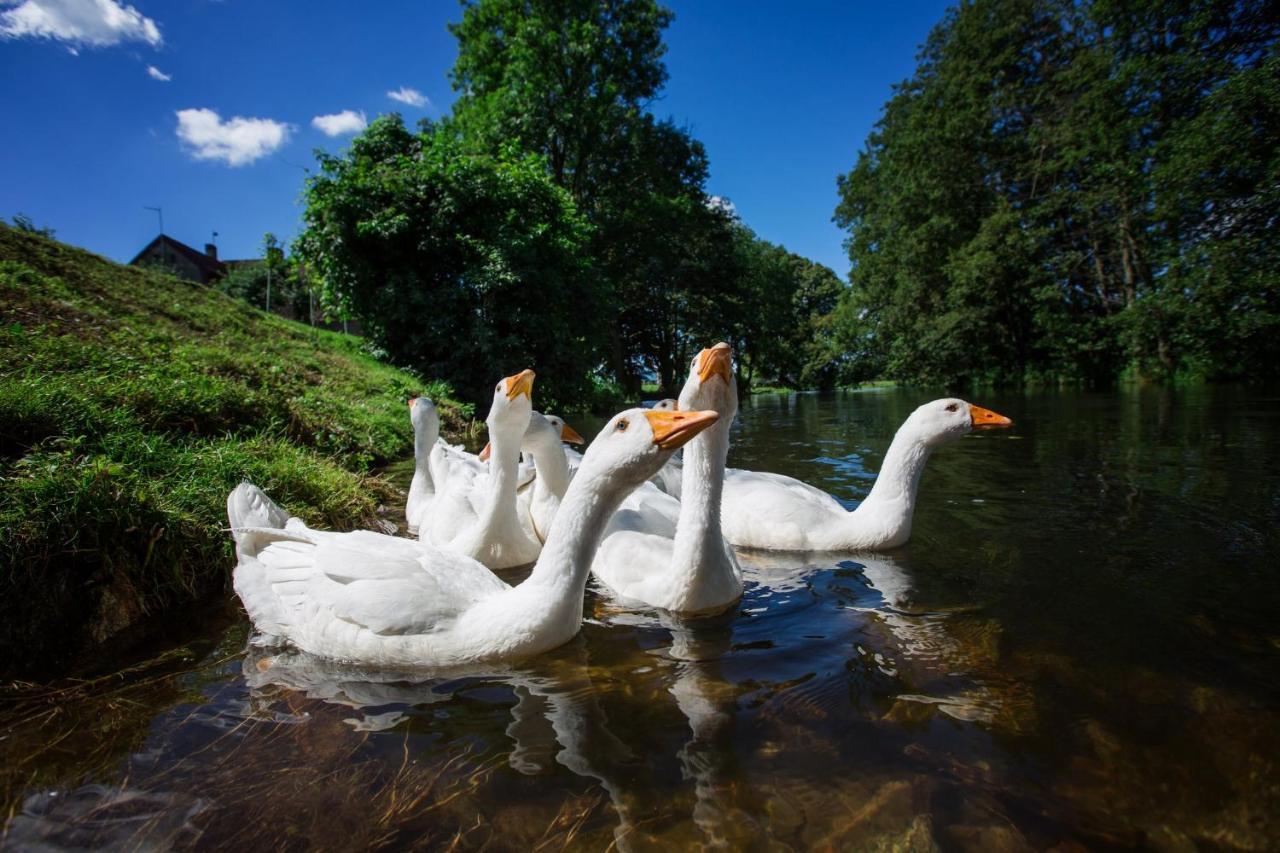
(211, 267)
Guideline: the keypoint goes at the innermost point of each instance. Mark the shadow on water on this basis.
(1078, 648)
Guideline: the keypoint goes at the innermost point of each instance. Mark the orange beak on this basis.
(487, 452)
(672, 430)
(983, 418)
(716, 361)
(571, 435)
(521, 383)
(413, 401)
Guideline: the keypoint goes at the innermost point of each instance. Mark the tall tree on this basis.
(1048, 194)
(565, 78)
(463, 266)
(571, 80)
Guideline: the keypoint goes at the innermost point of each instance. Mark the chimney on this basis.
(211, 250)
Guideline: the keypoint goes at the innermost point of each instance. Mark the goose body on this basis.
(686, 567)
(779, 513)
(378, 600)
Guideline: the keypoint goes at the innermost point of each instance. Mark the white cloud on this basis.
(156, 74)
(98, 23)
(336, 124)
(412, 97)
(235, 142)
(723, 205)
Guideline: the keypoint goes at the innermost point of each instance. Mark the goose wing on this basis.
(764, 487)
(384, 584)
(647, 510)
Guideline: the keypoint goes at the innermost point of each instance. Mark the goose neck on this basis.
(504, 465)
(551, 465)
(899, 477)
(702, 484)
(575, 534)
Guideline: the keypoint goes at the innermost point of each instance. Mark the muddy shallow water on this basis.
(1078, 649)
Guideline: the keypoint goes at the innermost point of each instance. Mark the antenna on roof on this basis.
(164, 252)
(159, 214)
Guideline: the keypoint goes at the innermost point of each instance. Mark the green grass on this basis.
(130, 404)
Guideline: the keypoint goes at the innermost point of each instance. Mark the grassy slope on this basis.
(130, 404)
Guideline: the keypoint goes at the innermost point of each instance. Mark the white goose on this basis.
(384, 601)
(693, 570)
(476, 515)
(778, 513)
(538, 499)
(433, 459)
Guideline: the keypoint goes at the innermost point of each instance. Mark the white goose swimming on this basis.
(693, 570)
(476, 515)
(384, 601)
(538, 499)
(433, 460)
(778, 513)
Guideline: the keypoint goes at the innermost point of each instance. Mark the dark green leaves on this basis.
(460, 265)
(1073, 190)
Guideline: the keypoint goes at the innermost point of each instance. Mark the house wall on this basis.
(164, 257)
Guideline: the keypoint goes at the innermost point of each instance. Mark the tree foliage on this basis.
(1070, 189)
(552, 192)
(568, 79)
(461, 265)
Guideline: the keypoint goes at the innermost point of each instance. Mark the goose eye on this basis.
(622, 425)
(951, 407)
(498, 389)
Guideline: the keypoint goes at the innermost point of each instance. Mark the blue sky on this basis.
(782, 95)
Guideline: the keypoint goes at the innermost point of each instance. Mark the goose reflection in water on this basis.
(939, 658)
(707, 701)
(558, 715)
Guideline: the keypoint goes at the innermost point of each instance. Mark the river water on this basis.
(1078, 649)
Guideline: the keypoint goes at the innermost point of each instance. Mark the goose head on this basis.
(940, 421)
(543, 432)
(634, 444)
(512, 405)
(423, 415)
(567, 434)
(667, 405)
(710, 384)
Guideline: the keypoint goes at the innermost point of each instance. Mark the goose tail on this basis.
(248, 506)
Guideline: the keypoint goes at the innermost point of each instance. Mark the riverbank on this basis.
(130, 404)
